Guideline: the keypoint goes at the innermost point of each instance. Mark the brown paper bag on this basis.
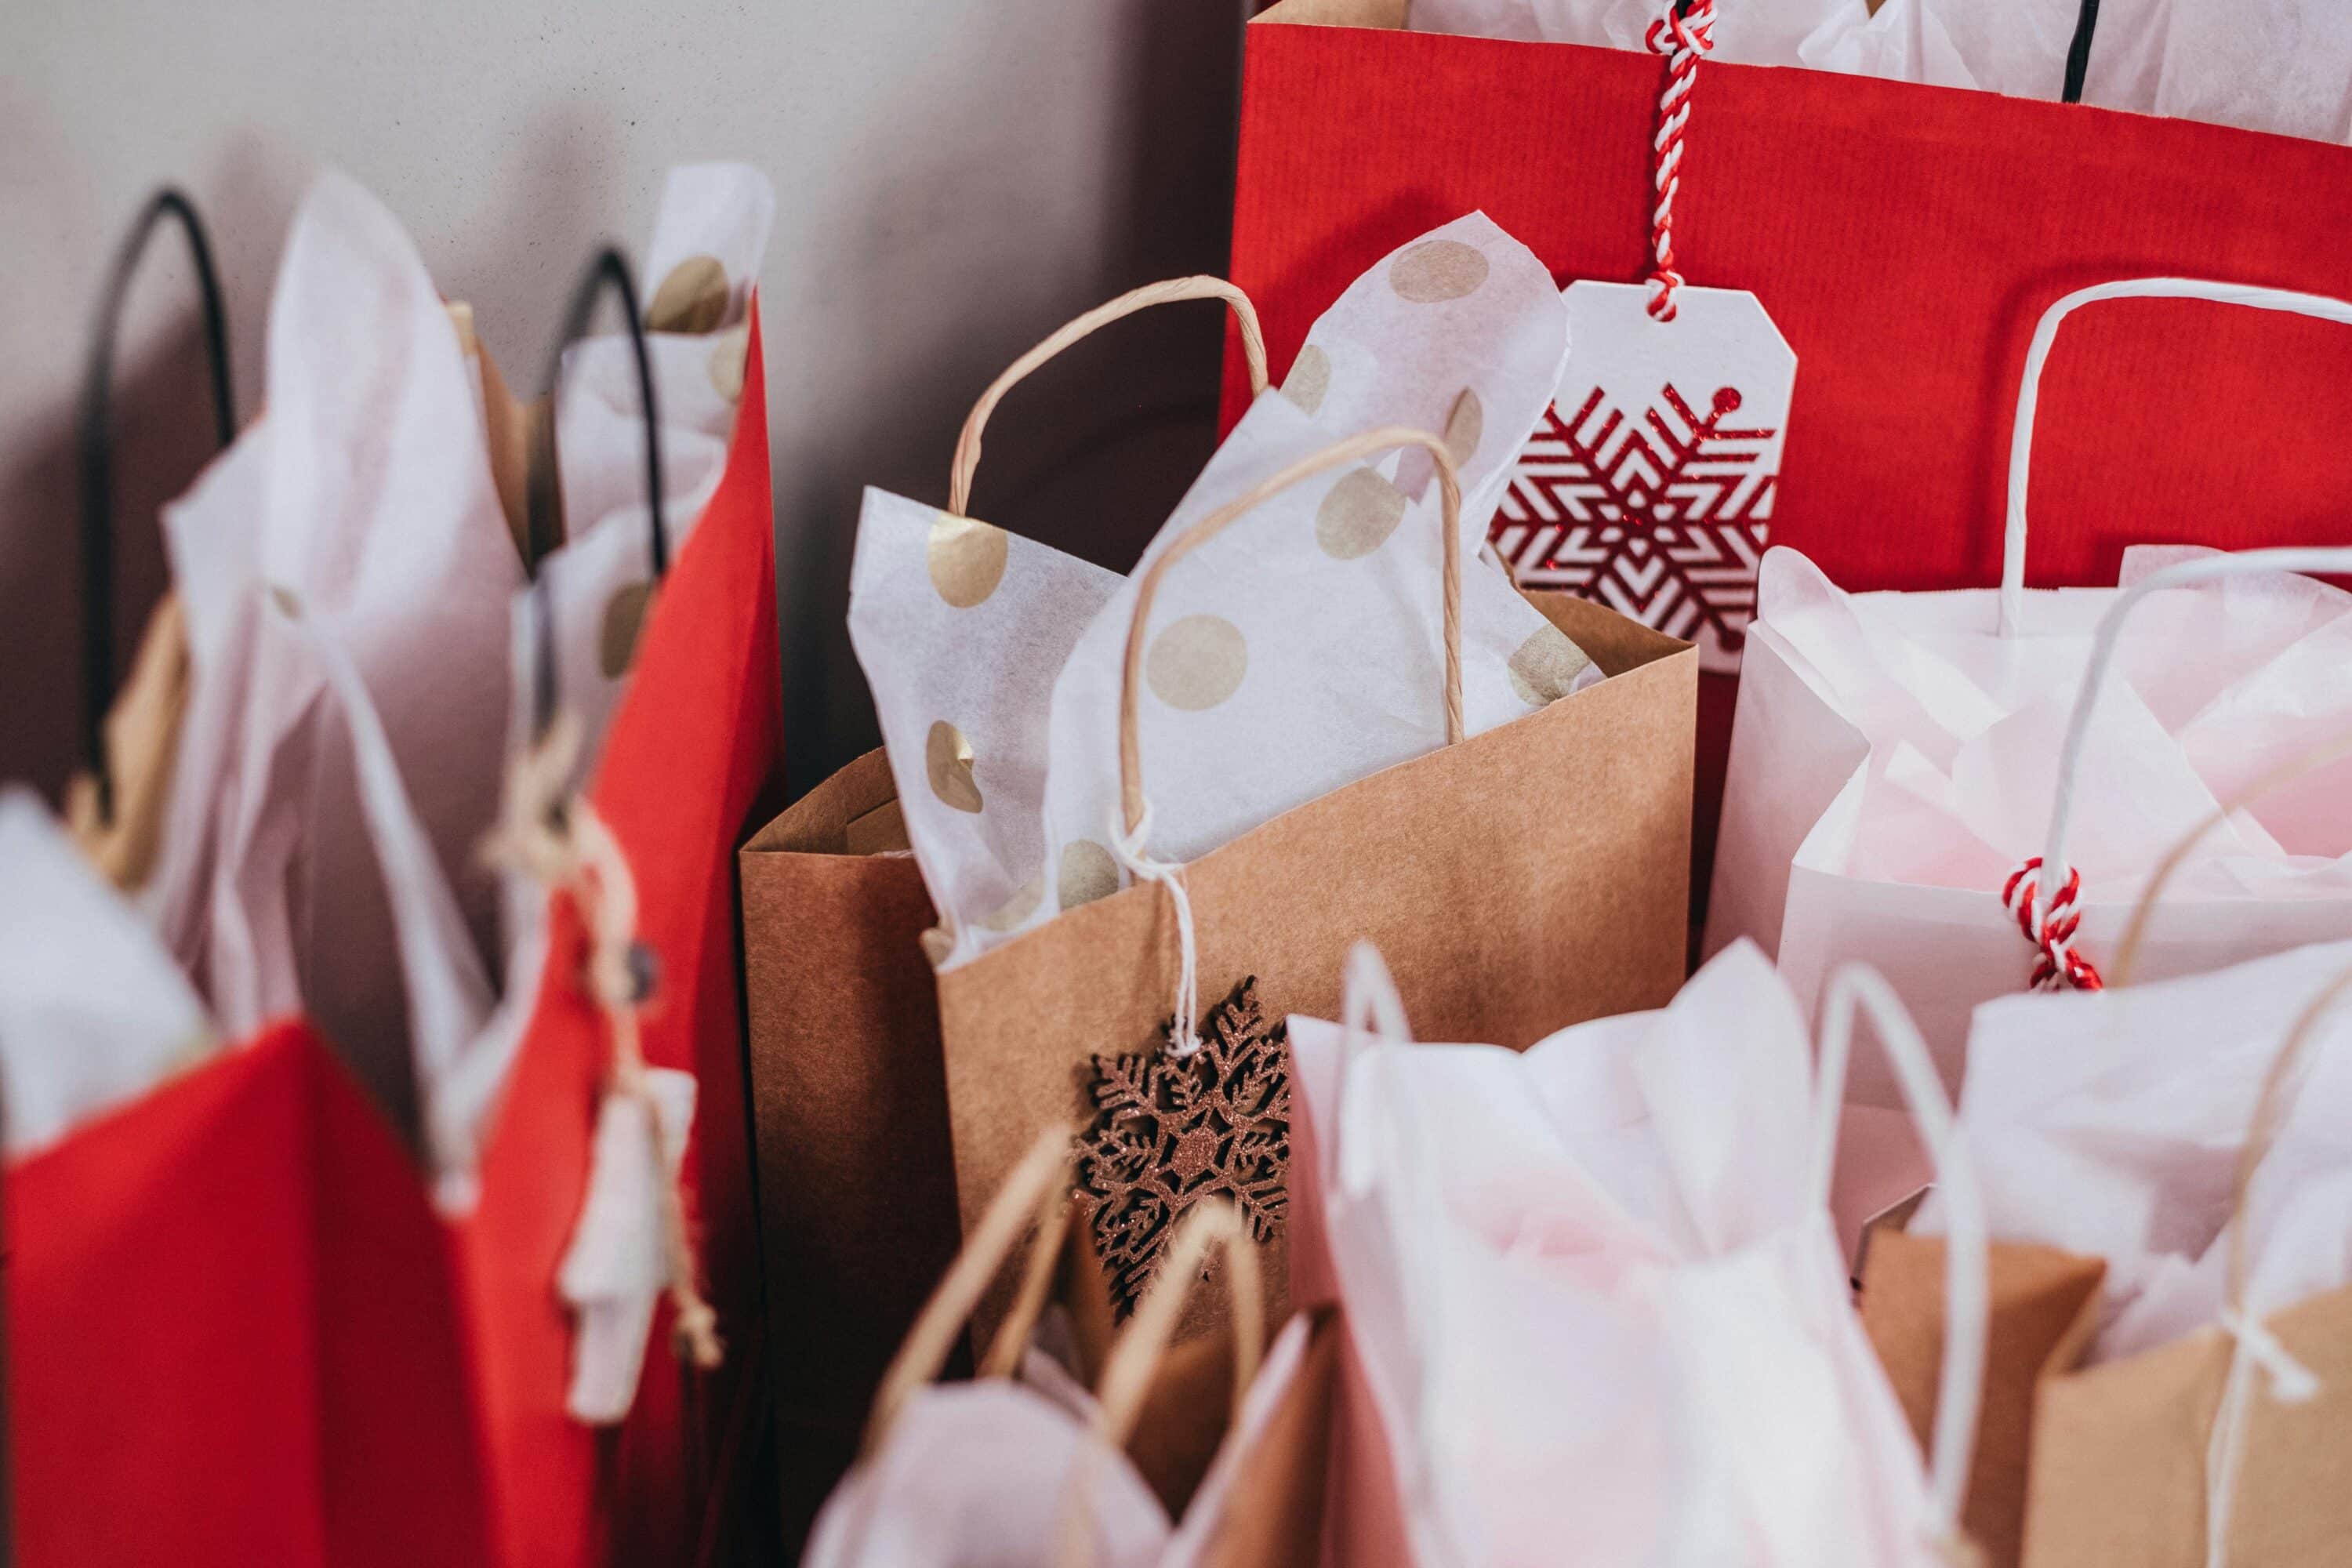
(2095, 1467)
(858, 1214)
(1151, 1401)
(1562, 911)
(1520, 880)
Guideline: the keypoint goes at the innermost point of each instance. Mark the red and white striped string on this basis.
(1682, 35)
(2056, 965)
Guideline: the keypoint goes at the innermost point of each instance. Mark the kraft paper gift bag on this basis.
(859, 1216)
(2169, 1182)
(1592, 1296)
(1905, 765)
(1076, 1014)
(824, 873)
(1269, 629)
(1025, 1464)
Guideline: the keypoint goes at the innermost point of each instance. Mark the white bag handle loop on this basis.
(1369, 1007)
(1959, 1393)
(2049, 888)
(1368, 996)
(2253, 1344)
(2029, 391)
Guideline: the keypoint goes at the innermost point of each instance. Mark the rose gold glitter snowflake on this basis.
(1169, 1131)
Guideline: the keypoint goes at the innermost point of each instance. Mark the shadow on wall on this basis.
(1093, 451)
(938, 214)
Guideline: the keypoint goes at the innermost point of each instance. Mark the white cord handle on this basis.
(2182, 573)
(1959, 1393)
(1368, 996)
(2028, 392)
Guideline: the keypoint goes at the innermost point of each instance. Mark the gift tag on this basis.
(1649, 484)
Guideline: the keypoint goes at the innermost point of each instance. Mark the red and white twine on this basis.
(1682, 35)
(2056, 965)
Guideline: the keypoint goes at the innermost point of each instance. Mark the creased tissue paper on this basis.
(1295, 653)
(1601, 1309)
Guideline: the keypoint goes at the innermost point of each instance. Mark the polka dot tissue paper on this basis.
(1298, 651)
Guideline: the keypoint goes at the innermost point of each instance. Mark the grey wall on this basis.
(954, 179)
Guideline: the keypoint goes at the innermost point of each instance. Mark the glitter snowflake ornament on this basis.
(1649, 484)
(1168, 1131)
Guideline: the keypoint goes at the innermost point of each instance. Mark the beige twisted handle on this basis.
(1354, 450)
(2262, 1128)
(1126, 1374)
(2136, 928)
(1035, 1194)
(1126, 1380)
(967, 448)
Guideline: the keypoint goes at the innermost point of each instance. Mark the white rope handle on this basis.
(1959, 1393)
(2028, 392)
(1368, 996)
(2182, 573)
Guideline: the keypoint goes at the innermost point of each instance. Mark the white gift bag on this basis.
(1595, 1296)
(1904, 765)
(2115, 1125)
(93, 1013)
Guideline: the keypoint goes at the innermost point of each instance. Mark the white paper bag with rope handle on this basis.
(1595, 1295)
(1904, 765)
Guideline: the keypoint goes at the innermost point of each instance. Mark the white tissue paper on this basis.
(1897, 759)
(93, 1012)
(350, 584)
(709, 238)
(979, 1475)
(1297, 653)
(353, 529)
(2281, 66)
(1601, 1314)
(2110, 1124)
(1762, 33)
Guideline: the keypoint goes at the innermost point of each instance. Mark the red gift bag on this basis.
(1904, 239)
(239, 1331)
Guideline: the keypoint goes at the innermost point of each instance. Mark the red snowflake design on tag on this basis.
(1662, 517)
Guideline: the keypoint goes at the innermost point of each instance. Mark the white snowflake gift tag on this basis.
(1649, 484)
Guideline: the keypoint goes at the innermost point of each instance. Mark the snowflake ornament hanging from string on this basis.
(1168, 1131)
(1652, 490)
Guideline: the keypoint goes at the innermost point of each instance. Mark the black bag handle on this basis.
(610, 270)
(2078, 52)
(94, 443)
